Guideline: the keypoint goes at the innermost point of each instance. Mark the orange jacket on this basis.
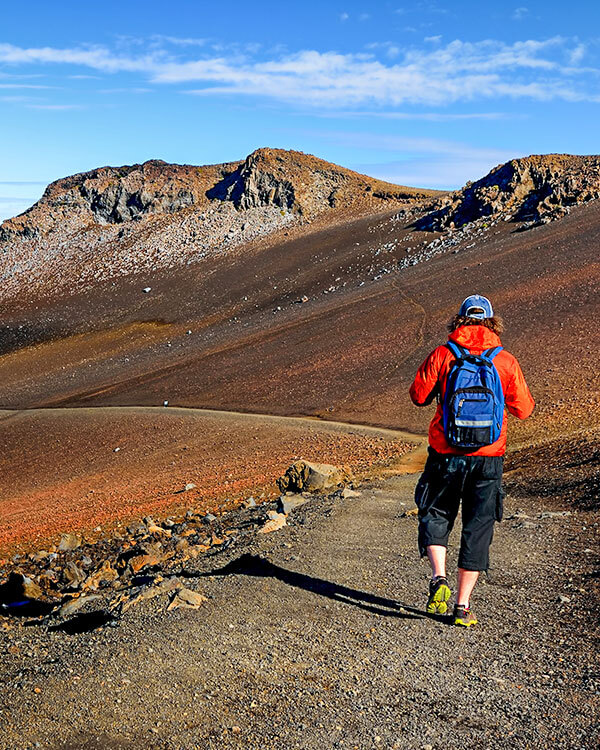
(433, 373)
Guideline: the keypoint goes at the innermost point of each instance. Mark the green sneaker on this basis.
(464, 617)
(439, 593)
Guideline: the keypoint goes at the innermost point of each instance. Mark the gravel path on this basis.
(314, 637)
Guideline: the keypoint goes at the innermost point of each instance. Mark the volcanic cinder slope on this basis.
(289, 286)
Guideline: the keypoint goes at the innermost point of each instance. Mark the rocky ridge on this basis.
(534, 190)
(116, 221)
(268, 177)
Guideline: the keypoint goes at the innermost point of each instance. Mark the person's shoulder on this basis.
(440, 352)
(506, 359)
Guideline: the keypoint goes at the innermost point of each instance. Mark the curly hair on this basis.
(495, 324)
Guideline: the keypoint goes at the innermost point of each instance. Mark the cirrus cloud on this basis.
(445, 74)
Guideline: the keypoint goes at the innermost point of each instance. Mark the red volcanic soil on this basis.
(61, 471)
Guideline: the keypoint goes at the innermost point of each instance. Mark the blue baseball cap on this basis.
(476, 306)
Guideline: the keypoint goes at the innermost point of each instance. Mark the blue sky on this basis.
(422, 93)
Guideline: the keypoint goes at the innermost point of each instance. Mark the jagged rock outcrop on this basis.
(293, 180)
(290, 180)
(533, 190)
(114, 195)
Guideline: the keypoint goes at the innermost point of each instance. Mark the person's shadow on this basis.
(254, 565)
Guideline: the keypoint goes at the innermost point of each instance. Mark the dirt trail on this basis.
(315, 637)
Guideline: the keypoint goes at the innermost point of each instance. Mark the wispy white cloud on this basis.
(577, 54)
(56, 107)
(181, 41)
(520, 13)
(97, 57)
(424, 116)
(428, 162)
(410, 145)
(18, 99)
(455, 72)
(125, 90)
(23, 86)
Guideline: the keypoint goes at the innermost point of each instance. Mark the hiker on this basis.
(473, 379)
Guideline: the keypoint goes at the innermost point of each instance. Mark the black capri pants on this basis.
(446, 481)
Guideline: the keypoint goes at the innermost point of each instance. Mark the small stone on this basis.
(154, 529)
(139, 562)
(75, 605)
(165, 403)
(249, 503)
(186, 599)
(562, 599)
(408, 513)
(69, 542)
(39, 556)
(73, 574)
(276, 521)
(116, 450)
(147, 289)
(189, 486)
(171, 584)
(347, 492)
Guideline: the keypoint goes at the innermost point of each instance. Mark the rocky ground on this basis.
(314, 636)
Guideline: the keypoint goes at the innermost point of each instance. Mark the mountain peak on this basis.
(290, 180)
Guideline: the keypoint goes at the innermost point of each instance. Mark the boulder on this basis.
(287, 503)
(105, 574)
(306, 476)
(19, 587)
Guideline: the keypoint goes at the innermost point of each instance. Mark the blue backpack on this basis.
(473, 407)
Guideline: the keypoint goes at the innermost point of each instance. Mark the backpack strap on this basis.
(491, 353)
(459, 351)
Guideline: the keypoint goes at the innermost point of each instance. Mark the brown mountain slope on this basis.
(349, 351)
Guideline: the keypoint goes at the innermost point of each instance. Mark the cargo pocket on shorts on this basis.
(500, 504)
(422, 493)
